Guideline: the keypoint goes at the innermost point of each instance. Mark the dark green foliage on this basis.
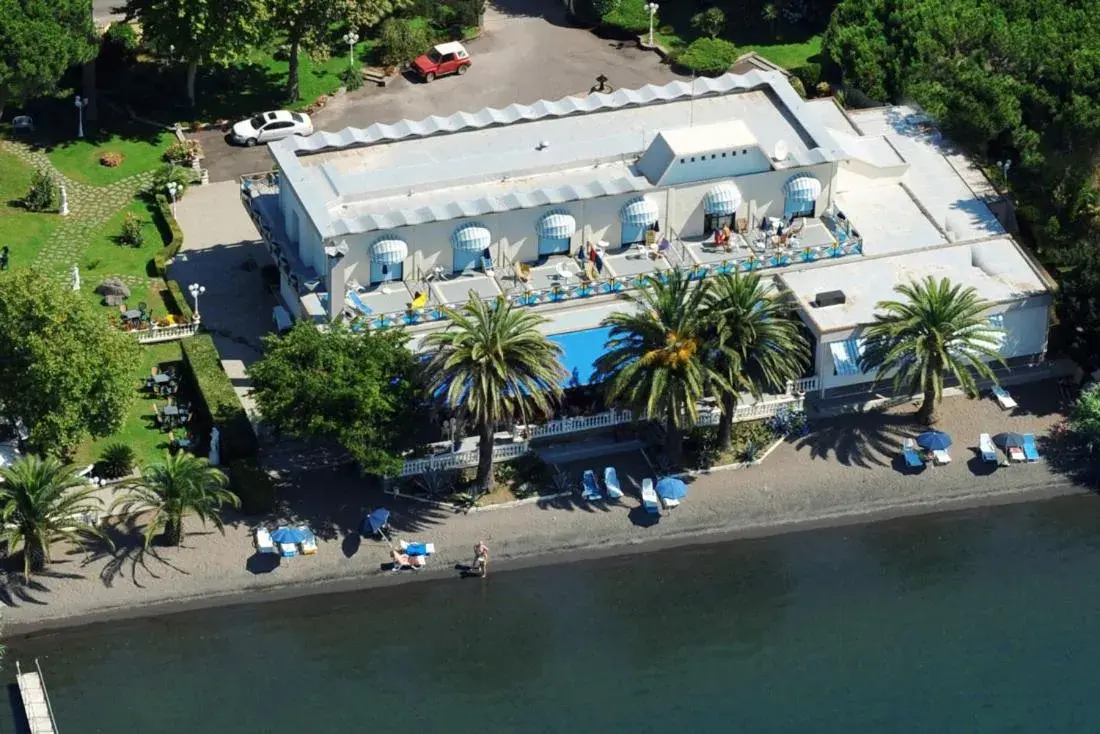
(809, 74)
(176, 302)
(170, 250)
(399, 42)
(116, 461)
(710, 22)
(42, 193)
(122, 36)
(352, 78)
(712, 56)
(468, 12)
(253, 485)
(1078, 306)
(131, 234)
(217, 401)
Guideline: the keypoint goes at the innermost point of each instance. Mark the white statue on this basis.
(215, 446)
(74, 276)
(64, 201)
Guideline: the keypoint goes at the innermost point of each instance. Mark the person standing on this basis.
(481, 559)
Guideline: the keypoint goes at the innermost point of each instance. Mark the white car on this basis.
(268, 126)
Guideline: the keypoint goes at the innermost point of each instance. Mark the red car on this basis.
(446, 58)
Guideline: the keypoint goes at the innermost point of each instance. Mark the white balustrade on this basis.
(804, 385)
(166, 333)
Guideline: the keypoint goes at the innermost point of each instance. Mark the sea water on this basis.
(982, 621)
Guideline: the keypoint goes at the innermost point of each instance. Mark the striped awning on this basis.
(556, 224)
(722, 200)
(471, 237)
(802, 187)
(846, 356)
(641, 212)
(389, 250)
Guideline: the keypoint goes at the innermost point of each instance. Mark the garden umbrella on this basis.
(374, 522)
(934, 440)
(291, 535)
(671, 488)
(1009, 440)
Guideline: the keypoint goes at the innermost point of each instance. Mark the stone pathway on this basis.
(90, 207)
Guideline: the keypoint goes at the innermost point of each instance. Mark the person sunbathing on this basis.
(400, 560)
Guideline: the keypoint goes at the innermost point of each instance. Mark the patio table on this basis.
(131, 315)
(171, 411)
(162, 378)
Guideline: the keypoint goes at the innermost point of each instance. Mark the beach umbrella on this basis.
(934, 440)
(374, 522)
(291, 535)
(1009, 440)
(671, 488)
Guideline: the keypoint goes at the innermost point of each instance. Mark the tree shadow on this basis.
(125, 552)
(1067, 456)
(55, 123)
(865, 440)
(552, 11)
(15, 589)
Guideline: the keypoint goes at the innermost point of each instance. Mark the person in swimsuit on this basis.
(481, 558)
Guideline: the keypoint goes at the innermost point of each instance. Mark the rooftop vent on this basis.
(780, 151)
(829, 298)
(543, 145)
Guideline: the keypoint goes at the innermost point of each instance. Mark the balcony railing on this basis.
(158, 334)
(564, 426)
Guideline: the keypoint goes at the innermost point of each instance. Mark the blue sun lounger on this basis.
(358, 303)
(591, 490)
(611, 481)
(913, 459)
(1031, 452)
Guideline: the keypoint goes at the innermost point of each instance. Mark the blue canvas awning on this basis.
(471, 237)
(389, 250)
(556, 224)
(722, 200)
(846, 356)
(640, 212)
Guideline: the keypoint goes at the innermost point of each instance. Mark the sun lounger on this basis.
(1003, 398)
(611, 482)
(522, 271)
(1031, 452)
(591, 490)
(940, 456)
(403, 561)
(649, 497)
(308, 546)
(356, 301)
(669, 503)
(1015, 453)
(288, 550)
(264, 543)
(420, 301)
(417, 549)
(987, 449)
(913, 459)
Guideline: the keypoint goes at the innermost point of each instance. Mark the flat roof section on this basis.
(889, 220)
(996, 269)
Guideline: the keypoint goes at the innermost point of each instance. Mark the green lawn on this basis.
(22, 231)
(106, 254)
(788, 55)
(138, 431)
(79, 159)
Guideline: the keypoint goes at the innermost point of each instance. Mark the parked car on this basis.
(446, 58)
(268, 126)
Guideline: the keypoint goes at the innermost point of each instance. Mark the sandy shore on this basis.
(843, 473)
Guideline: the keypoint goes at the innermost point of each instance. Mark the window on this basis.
(280, 125)
(633, 234)
(745, 151)
(682, 161)
(384, 273)
(257, 122)
(796, 208)
(733, 152)
(714, 222)
(723, 154)
(552, 245)
(296, 117)
(434, 56)
(693, 159)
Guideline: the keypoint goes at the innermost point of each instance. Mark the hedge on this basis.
(178, 303)
(708, 56)
(219, 404)
(175, 238)
(253, 485)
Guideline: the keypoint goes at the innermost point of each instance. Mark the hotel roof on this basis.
(383, 176)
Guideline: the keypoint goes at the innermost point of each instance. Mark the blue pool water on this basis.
(580, 350)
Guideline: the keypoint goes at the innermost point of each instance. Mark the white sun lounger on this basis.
(264, 544)
(1003, 398)
(611, 481)
(649, 497)
(987, 449)
(308, 546)
(940, 456)
(288, 550)
(670, 504)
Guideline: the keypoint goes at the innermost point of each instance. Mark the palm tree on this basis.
(655, 361)
(756, 342)
(183, 484)
(494, 365)
(940, 328)
(43, 500)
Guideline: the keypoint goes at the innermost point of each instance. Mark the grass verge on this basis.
(24, 232)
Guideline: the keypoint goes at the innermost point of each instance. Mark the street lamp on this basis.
(652, 8)
(174, 190)
(351, 38)
(196, 291)
(81, 103)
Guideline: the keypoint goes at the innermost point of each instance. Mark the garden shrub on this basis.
(40, 196)
(111, 159)
(399, 42)
(468, 13)
(809, 73)
(170, 173)
(175, 301)
(217, 401)
(708, 56)
(710, 22)
(175, 238)
(116, 461)
(131, 234)
(122, 36)
(183, 152)
(351, 78)
(798, 86)
(254, 486)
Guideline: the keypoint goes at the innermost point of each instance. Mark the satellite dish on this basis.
(781, 151)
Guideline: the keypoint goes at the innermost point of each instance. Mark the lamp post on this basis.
(173, 189)
(196, 291)
(351, 38)
(652, 8)
(81, 103)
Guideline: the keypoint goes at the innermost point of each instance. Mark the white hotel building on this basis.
(504, 203)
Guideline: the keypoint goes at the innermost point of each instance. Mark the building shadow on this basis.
(552, 11)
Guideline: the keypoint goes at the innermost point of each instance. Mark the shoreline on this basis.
(715, 529)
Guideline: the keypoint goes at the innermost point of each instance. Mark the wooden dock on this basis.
(36, 704)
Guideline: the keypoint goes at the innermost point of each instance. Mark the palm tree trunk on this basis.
(173, 532)
(484, 458)
(927, 412)
(673, 441)
(36, 554)
(725, 421)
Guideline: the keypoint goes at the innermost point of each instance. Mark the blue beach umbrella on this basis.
(291, 535)
(934, 440)
(671, 488)
(374, 522)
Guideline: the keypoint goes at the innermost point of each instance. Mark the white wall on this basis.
(715, 165)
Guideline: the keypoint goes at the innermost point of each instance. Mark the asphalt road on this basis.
(526, 52)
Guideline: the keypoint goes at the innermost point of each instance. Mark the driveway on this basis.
(527, 52)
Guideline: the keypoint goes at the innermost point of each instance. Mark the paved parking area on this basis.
(527, 52)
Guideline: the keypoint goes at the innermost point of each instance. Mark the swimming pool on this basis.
(580, 350)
